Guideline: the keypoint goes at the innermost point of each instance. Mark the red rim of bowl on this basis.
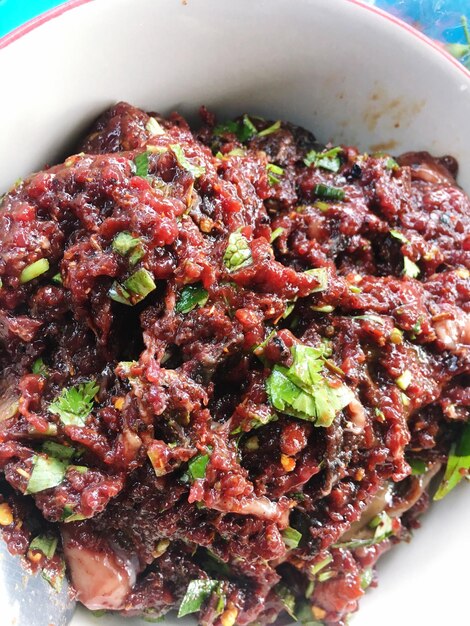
(34, 23)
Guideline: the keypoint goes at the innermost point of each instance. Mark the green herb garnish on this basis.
(153, 127)
(194, 169)
(398, 235)
(391, 164)
(74, 405)
(124, 243)
(191, 296)
(287, 598)
(45, 544)
(238, 253)
(57, 279)
(410, 268)
(274, 172)
(244, 130)
(197, 466)
(47, 472)
(418, 467)
(458, 464)
(34, 270)
(270, 129)
(329, 193)
(58, 450)
(291, 537)
(197, 593)
(141, 162)
(39, 367)
(404, 380)
(321, 274)
(302, 390)
(382, 524)
(328, 160)
(275, 234)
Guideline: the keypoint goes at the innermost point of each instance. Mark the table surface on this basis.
(437, 18)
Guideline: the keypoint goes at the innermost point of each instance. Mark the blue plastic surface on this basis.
(439, 19)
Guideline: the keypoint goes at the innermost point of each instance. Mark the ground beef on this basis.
(223, 352)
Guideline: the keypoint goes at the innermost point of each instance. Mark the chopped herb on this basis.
(366, 578)
(321, 274)
(321, 565)
(355, 289)
(58, 450)
(238, 253)
(328, 160)
(45, 544)
(270, 129)
(57, 279)
(458, 464)
(404, 380)
(141, 162)
(410, 268)
(153, 127)
(398, 235)
(191, 296)
(391, 164)
(124, 243)
(274, 171)
(39, 367)
(291, 537)
(276, 233)
(324, 576)
(326, 308)
(244, 130)
(302, 391)
(322, 206)
(34, 270)
(287, 598)
(54, 576)
(197, 466)
(47, 472)
(371, 317)
(197, 593)
(418, 467)
(416, 328)
(194, 169)
(134, 289)
(74, 405)
(382, 524)
(329, 193)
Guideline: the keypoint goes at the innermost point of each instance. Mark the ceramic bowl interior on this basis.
(342, 70)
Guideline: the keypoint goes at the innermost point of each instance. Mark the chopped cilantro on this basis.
(327, 192)
(74, 405)
(141, 162)
(291, 537)
(39, 367)
(197, 593)
(244, 130)
(237, 253)
(458, 464)
(410, 268)
(194, 169)
(191, 296)
(57, 279)
(58, 450)
(34, 270)
(197, 466)
(328, 160)
(302, 391)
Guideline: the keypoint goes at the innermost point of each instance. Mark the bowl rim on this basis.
(57, 11)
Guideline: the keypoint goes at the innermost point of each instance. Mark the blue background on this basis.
(437, 18)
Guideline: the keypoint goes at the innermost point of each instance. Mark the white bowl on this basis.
(348, 72)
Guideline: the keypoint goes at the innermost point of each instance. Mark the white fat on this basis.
(454, 334)
(101, 578)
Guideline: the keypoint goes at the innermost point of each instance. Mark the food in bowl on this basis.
(233, 360)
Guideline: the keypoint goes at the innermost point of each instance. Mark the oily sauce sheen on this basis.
(232, 362)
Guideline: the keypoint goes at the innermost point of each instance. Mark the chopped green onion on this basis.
(274, 171)
(134, 289)
(54, 576)
(244, 130)
(75, 404)
(418, 467)
(458, 464)
(287, 598)
(328, 160)
(57, 279)
(153, 127)
(45, 544)
(366, 578)
(34, 270)
(191, 296)
(321, 565)
(404, 380)
(47, 472)
(194, 169)
(291, 537)
(197, 593)
(238, 253)
(322, 206)
(329, 193)
(391, 164)
(321, 274)
(398, 235)
(410, 268)
(197, 466)
(276, 233)
(124, 242)
(327, 308)
(324, 576)
(271, 129)
(141, 162)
